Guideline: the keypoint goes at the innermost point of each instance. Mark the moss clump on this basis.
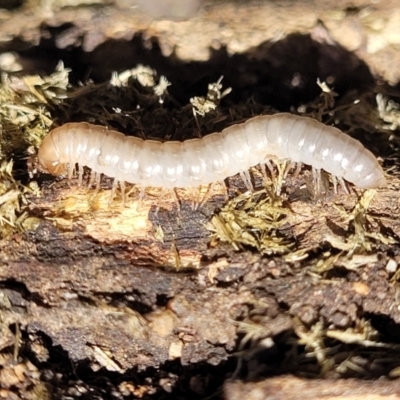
(257, 220)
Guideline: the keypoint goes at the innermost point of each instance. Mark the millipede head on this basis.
(53, 167)
(49, 158)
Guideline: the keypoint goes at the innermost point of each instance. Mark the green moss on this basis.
(25, 117)
(256, 220)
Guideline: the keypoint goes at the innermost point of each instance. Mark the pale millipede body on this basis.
(215, 157)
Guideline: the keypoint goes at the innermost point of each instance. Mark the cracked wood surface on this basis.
(124, 290)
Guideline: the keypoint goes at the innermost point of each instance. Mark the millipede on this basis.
(213, 158)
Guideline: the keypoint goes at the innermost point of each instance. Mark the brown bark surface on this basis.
(149, 300)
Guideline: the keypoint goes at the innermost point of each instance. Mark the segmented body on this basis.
(214, 157)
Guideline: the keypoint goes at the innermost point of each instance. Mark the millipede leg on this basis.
(97, 178)
(245, 175)
(176, 200)
(80, 176)
(271, 169)
(70, 171)
(92, 178)
(317, 181)
(195, 195)
(298, 169)
(263, 169)
(267, 164)
(343, 185)
(113, 190)
(140, 198)
(334, 181)
(123, 187)
(288, 168)
(210, 189)
(225, 190)
(281, 171)
(141, 193)
(210, 192)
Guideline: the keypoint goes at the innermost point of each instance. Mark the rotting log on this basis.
(144, 299)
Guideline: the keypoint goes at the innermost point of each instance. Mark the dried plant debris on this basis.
(344, 352)
(146, 76)
(137, 101)
(389, 112)
(257, 220)
(318, 349)
(356, 247)
(203, 105)
(131, 102)
(324, 104)
(262, 322)
(264, 222)
(347, 111)
(13, 214)
(363, 238)
(362, 333)
(25, 105)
